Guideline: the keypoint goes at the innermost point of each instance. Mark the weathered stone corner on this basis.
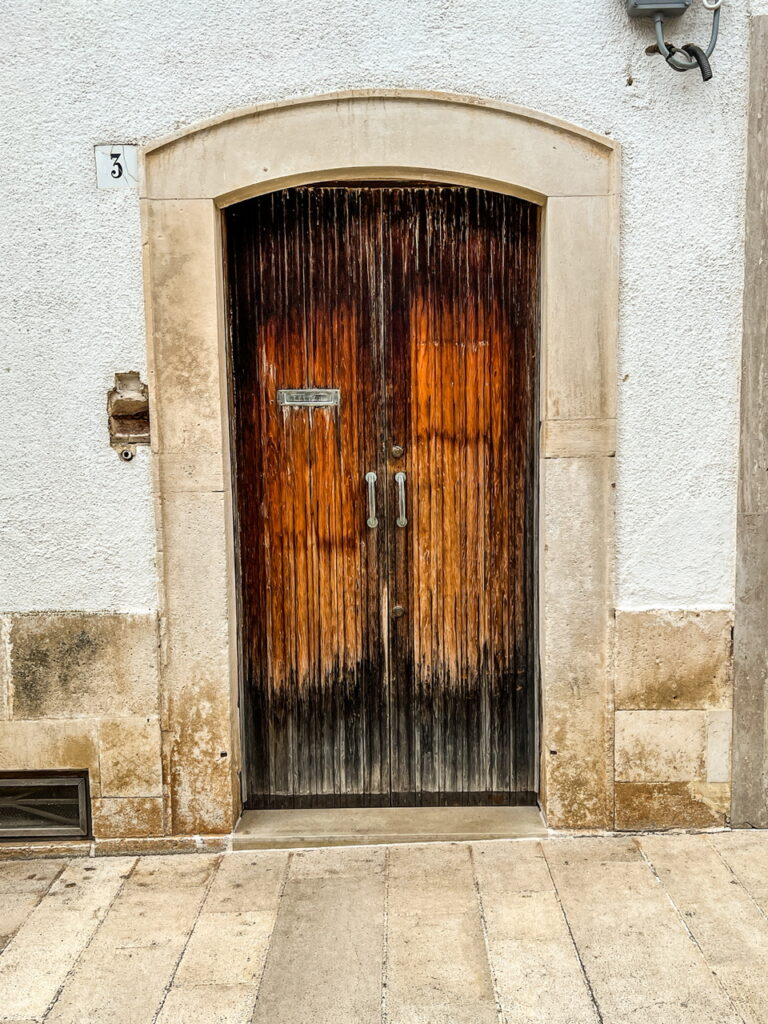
(673, 698)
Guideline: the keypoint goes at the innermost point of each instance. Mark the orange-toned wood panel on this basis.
(305, 314)
(420, 305)
(461, 361)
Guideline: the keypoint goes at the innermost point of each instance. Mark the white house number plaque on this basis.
(117, 166)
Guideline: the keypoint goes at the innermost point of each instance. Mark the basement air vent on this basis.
(41, 804)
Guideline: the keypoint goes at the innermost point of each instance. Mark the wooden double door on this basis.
(383, 360)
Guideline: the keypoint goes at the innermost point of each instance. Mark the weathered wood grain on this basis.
(305, 313)
(460, 367)
(420, 305)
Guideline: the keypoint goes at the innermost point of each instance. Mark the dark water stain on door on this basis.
(387, 652)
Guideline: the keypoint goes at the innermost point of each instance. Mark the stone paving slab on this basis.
(30, 875)
(134, 955)
(15, 908)
(696, 877)
(325, 956)
(536, 967)
(208, 1004)
(437, 965)
(47, 945)
(746, 854)
(125, 984)
(662, 929)
(640, 960)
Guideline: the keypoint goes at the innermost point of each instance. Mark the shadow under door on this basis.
(383, 361)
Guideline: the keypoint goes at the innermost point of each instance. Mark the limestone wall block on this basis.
(719, 730)
(121, 817)
(51, 746)
(661, 746)
(83, 664)
(661, 805)
(673, 660)
(577, 719)
(129, 753)
(5, 666)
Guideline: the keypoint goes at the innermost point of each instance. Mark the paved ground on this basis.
(659, 930)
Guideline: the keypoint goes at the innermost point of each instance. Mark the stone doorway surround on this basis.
(187, 180)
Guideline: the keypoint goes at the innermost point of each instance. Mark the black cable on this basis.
(701, 59)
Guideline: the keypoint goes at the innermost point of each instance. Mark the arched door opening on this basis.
(190, 182)
(384, 347)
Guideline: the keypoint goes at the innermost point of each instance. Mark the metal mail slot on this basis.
(311, 397)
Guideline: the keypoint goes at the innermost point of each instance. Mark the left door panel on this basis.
(305, 314)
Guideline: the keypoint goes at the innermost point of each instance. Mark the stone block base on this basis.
(673, 698)
(84, 692)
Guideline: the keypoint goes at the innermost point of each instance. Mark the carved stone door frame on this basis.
(186, 181)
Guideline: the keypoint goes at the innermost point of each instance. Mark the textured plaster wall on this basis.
(76, 522)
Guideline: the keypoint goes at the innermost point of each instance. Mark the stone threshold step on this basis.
(365, 826)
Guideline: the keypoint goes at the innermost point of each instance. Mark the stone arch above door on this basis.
(187, 179)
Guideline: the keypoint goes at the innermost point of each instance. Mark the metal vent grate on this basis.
(43, 804)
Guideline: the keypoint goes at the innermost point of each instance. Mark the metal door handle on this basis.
(400, 482)
(370, 479)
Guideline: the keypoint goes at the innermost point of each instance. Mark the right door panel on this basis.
(461, 270)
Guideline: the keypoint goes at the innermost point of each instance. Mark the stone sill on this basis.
(34, 849)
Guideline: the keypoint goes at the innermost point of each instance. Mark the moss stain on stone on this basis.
(49, 657)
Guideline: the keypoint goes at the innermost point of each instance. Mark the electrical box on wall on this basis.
(680, 58)
(647, 8)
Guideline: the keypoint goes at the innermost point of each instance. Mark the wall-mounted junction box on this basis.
(647, 8)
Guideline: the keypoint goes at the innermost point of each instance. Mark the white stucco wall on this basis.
(77, 527)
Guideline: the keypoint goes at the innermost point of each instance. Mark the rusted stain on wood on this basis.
(421, 305)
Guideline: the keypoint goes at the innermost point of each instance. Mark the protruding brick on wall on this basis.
(673, 696)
